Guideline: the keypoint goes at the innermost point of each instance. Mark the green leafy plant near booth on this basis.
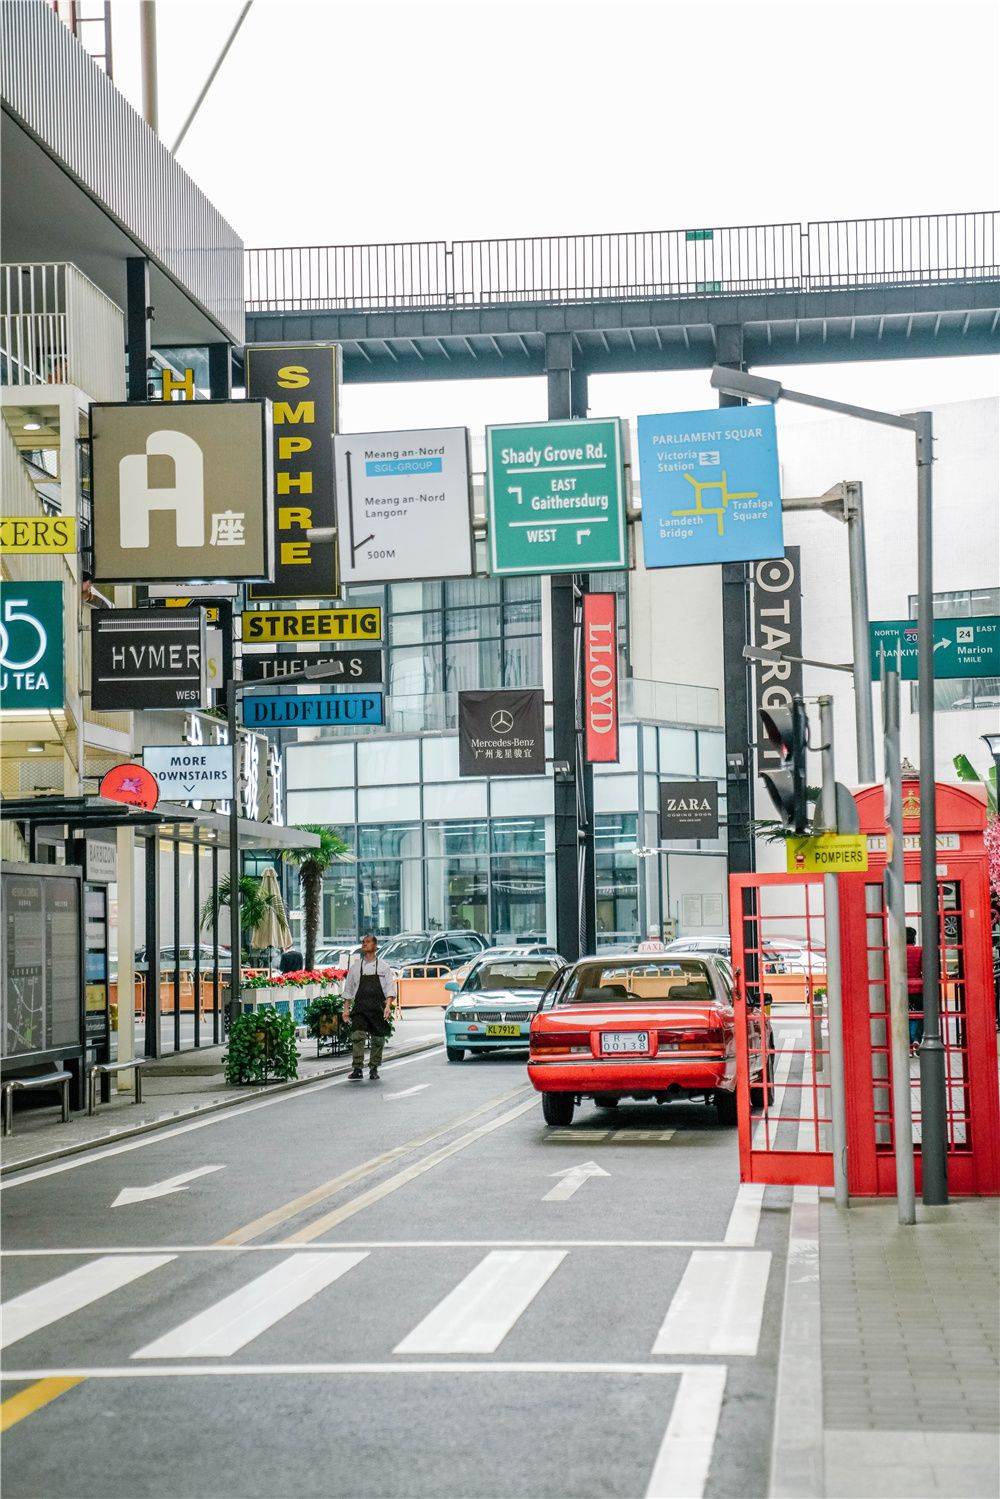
(324, 1015)
(261, 1046)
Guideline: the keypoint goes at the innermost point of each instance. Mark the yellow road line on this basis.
(32, 1399)
(357, 1173)
(375, 1194)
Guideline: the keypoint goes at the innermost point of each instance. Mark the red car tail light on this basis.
(553, 1042)
(707, 1037)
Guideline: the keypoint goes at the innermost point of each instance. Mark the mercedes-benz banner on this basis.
(501, 733)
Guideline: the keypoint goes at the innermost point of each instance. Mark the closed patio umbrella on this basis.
(272, 930)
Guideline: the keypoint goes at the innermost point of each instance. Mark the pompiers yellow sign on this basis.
(301, 626)
(22, 535)
(828, 853)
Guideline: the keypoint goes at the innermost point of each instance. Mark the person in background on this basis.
(915, 988)
(653, 941)
(91, 596)
(292, 961)
(369, 992)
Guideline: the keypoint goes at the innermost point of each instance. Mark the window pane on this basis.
(457, 893)
(470, 664)
(527, 794)
(319, 764)
(518, 835)
(455, 838)
(471, 624)
(407, 598)
(383, 761)
(414, 629)
(522, 661)
(415, 670)
(441, 758)
(677, 752)
(460, 592)
(320, 806)
(388, 803)
(617, 880)
(711, 755)
(455, 799)
(518, 897)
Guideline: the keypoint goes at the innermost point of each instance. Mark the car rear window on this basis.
(619, 983)
(510, 975)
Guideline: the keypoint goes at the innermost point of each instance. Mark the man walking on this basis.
(369, 992)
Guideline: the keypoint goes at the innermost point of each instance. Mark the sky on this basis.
(352, 123)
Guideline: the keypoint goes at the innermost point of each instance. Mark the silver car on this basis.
(491, 1008)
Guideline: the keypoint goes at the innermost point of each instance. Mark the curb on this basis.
(797, 1461)
(200, 1111)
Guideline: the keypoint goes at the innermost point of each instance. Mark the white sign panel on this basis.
(160, 591)
(191, 772)
(404, 505)
(102, 862)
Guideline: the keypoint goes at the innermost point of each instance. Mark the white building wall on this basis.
(676, 623)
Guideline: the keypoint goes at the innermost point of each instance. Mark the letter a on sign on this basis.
(600, 678)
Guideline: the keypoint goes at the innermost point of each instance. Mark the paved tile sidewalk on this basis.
(910, 1351)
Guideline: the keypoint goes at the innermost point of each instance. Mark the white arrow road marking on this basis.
(572, 1179)
(161, 1189)
(408, 1092)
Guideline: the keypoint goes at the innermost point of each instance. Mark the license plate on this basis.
(503, 1030)
(619, 1043)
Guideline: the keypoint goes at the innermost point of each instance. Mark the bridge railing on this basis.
(767, 258)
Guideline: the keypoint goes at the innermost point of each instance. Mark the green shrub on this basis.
(261, 1046)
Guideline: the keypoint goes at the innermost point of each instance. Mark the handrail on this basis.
(708, 261)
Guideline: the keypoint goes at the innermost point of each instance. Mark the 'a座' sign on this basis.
(600, 678)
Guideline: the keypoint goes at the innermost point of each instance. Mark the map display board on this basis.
(41, 962)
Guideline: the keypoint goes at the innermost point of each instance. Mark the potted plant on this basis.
(324, 1018)
(261, 1047)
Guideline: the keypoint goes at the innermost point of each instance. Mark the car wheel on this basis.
(606, 1100)
(725, 1108)
(557, 1108)
(455, 1053)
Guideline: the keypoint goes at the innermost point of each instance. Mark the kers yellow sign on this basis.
(828, 853)
(24, 535)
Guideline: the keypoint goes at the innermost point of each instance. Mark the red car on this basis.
(645, 1027)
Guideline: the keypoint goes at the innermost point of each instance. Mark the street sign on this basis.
(501, 733)
(776, 625)
(34, 535)
(302, 384)
(829, 853)
(299, 626)
(182, 490)
(132, 784)
(689, 809)
(711, 489)
(600, 678)
(313, 708)
(404, 504)
(555, 497)
(361, 668)
(147, 658)
(31, 646)
(191, 772)
(962, 647)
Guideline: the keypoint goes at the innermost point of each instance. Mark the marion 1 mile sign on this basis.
(555, 496)
(967, 647)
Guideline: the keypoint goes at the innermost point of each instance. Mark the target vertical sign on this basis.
(600, 678)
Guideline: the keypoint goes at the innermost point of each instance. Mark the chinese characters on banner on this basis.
(501, 733)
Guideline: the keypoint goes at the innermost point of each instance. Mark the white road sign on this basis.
(404, 505)
(191, 772)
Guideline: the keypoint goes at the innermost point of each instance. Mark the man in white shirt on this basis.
(369, 993)
(653, 942)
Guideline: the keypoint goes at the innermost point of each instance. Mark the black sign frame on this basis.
(501, 732)
(115, 686)
(775, 624)
(363, 668)
(695, 813)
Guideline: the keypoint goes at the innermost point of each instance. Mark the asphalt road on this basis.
(394, 1289)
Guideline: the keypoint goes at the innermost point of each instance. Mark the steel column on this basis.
(854, 515)
(834, 996)
(220, 372)
(137, 330)
(177, 942)
(154, 1041)
(898, 997)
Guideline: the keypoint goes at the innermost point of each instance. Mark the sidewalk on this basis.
(181, 1085)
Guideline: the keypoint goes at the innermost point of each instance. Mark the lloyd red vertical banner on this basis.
(600, 678)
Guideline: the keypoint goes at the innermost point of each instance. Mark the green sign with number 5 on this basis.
(31, 646)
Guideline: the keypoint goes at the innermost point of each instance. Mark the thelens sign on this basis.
(404, 504)
(711, 489)
(182, 490)
(555, 497)
(298, 710)
(302, 385)
(31, 646)
(600, 678)
(310, 626)
(689, 809)
(967, 647)
(189, 772)
(147, 658)
(362, 668)
(776, 625)
(501, 733)
(36, 535)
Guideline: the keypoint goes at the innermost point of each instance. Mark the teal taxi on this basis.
(490, 1009)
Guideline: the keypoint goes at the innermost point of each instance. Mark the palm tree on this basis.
(312, 864)
(255, 902)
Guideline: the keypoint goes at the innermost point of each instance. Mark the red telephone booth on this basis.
(787, 1139)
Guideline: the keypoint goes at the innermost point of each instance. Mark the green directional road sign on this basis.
(962, 647)
(555, 497)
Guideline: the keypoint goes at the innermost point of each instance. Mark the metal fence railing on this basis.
(58, 328)
(923, 248)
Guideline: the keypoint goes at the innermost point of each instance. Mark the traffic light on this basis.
(788, 731)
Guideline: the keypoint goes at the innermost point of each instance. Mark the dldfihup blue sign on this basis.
(710, 486)
(344, 708)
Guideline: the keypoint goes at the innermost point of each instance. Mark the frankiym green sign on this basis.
(967, 647)
(555, 495)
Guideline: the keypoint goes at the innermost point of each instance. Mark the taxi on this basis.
(491, 1008)
(653, 1027)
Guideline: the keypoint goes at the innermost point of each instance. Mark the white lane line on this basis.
(408, 1092)
(744, 1219)
(479, 1313)
(797, 1443)
(806, 1136)
(221, 1116)
(560, 1243)
(68, 1293)
(718, 1306)
(255, 1371)
(782, 1067)
(685, 1455)
(236, 1320)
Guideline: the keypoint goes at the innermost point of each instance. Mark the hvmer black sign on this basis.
(147, 658)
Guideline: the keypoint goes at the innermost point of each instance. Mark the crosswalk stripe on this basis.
(238, 1319)
(57, 1298)
(718, 1306)
(479, 1313)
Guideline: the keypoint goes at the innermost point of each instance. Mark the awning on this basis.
(83, 814)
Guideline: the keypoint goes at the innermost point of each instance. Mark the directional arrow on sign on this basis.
(161, 1189)
(571, 1180)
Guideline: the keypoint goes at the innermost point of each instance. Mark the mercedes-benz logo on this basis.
(501, 722)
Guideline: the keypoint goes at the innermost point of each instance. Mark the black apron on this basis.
(368, 1006)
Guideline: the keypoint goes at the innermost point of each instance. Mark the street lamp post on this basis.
(932, 1080)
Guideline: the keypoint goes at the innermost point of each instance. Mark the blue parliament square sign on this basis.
(710, 486)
